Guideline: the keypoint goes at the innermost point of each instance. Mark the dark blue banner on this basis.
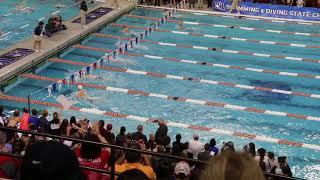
(279, 11)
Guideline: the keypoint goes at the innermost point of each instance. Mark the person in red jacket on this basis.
(24, 123)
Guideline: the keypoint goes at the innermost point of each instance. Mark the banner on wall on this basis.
(279, 11)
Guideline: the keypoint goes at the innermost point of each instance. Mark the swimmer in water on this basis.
(181, 26)
(59, 5)
(125, 29)
(82, 94)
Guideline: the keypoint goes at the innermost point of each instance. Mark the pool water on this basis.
(305, 163)
(15, 14)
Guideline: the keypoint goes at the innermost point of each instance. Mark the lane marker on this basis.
(24, 26)
(193, 79)
(213, 49)
(224, 26)
(6, 33)
(205, 63)
(169, 123)
(40, 19)
(55, 12)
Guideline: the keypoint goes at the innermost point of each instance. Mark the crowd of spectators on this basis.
(58, 159)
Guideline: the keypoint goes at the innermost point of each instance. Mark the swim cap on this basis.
(80, 87)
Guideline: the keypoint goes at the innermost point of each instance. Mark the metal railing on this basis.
(112, 154)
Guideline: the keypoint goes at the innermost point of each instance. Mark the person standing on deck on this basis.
(83, 13)
(200, 4)
(38, 31)
(235, 5)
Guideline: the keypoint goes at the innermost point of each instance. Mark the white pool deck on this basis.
(60, 40)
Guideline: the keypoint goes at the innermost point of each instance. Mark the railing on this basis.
(112, 157)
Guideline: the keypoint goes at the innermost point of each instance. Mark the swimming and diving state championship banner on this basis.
(279, 11)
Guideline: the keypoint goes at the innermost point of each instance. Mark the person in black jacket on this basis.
(83, 12)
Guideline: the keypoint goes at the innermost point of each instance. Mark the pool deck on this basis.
(61, 40)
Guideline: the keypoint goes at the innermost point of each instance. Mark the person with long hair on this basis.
(230, 165)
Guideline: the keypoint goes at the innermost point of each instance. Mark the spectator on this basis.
(139, 135)
(176, 151)
(24, 123)
(34, 119)
(65, 128)
(14, 119)
(9, 167)
(129, 138)
(133, 174)
(162, 130)
(209, 3)
(3, 139)
(43, 122)
(54, 124)
(152, 142)
(270, 163)
(133, 162)
(18, 147)
(198, 168)
(229, 146)
(121, 139)
(182, 146)
(250, 149)
(110, 137)
(283, 168)
(92, 155)
(182, 171)
(206, 153)
(260, 158)
(156, 2)
(200, 4)
(230, 166)
(192, 3)
(38, 37)
(74, 126)
(212, 147)
(51, 161)
(83, 13)
(103, 131)
(195, 147)
(3, 118)
(167, 149)
(85, 126)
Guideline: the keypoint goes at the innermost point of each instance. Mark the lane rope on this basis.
(205, 63)
(254, 18)
(225, 26)
(193, 79)
(180, 99)
(217, 104)
(169, 123)
(213, 49)
(220, 37)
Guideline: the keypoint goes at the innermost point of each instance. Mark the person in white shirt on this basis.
(271, 163)
(195, 146)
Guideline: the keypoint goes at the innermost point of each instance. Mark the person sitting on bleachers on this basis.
(131, 160)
